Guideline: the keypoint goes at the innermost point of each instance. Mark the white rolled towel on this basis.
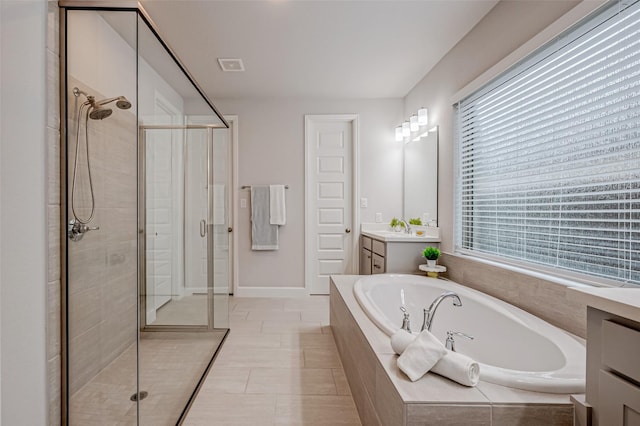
(400, 340)
(459, 368)
(454, 365)
(421, 355)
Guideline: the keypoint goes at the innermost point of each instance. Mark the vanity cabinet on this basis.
(379, 257)
(372, 256)
(613, 370)
(365, 256)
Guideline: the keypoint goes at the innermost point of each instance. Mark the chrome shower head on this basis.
(123, 103)
(96, 110)
(99, 113)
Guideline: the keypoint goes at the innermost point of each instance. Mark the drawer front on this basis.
(619, 401)
(621, 349)
(377, 264)
(378, 247)
(366, 243)
(365, 262)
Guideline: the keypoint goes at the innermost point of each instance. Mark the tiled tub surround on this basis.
(384, 396)
(551, 301)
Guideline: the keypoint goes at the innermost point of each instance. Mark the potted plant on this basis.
(415, 221)
(431, 254)
(396, 224)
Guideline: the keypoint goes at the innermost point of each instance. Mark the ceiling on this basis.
(313, 48)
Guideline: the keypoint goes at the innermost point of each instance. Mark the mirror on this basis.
(421, 178)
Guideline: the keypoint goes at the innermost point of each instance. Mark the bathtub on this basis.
(513, 347)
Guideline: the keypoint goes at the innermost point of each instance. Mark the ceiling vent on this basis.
(231, 65)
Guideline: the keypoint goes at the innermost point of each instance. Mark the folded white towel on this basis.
(421, 355)
(277, 207)
(400, 340)
(459, 368)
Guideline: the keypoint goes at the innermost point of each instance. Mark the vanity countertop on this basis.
(621, 301)
(391, 236)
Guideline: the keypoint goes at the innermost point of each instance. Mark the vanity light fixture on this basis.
(406, 129)
(423, 116)
(413, 120)
(399, 135)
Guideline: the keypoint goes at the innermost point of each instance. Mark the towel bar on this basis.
(249, 187)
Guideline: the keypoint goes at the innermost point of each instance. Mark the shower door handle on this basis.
(203, 228)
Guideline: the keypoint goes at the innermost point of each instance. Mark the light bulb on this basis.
(413, 120)
(399, 136)
(406, 129)
(423, 116)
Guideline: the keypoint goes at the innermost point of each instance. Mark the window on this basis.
(548, 154)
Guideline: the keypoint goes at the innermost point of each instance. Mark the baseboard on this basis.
(270, 292)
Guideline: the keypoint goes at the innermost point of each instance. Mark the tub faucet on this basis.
(431, 311)
(451, 343)
(407, 227)
(405, 320)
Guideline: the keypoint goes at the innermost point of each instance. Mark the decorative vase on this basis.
(431, 263)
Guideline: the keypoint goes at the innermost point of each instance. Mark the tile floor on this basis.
(190, 310)
(278, 366)
(171, 364)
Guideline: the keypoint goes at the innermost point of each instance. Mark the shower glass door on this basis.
(176, 209)
(185, 251)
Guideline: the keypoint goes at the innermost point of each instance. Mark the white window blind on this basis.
(549, 154)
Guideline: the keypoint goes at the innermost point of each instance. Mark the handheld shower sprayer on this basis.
(94, 110)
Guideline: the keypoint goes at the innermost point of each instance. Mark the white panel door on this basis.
(329, 201)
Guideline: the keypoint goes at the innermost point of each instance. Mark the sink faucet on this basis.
(407, 227)
(430, 313)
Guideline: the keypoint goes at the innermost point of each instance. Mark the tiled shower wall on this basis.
(102, 267)
(53, 212)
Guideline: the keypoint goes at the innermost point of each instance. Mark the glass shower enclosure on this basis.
(145, 175)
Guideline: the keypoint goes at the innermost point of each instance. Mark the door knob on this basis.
(348, 230)
(203, 228)
(229, 229)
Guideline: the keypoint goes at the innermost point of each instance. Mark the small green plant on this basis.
(415, 221)
(395, 222)
(431, 253)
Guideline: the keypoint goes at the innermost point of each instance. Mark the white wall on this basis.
(99, 57)
(23, 262)
(506, 27)
(271, 150)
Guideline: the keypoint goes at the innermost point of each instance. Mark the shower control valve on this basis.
(76, 229)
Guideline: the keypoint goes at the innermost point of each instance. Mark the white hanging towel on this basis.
(277, 207)
(264, 236)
